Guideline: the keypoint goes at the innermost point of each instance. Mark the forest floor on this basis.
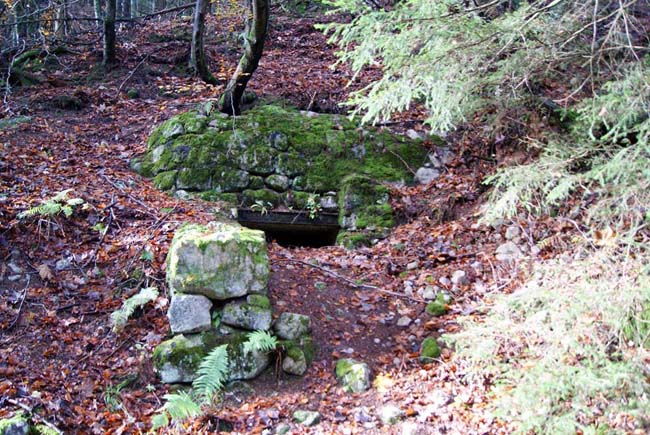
(60, 280)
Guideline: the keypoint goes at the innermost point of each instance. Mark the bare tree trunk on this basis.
(198, 61)
(253, 48)
(97, 7)
(134, 8)
(60, 26)
(109, 34)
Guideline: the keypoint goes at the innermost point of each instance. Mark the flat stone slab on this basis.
(189, 313)
(253, 314)
(219, 261)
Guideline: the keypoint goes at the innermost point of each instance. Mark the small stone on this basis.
(328, 203)
(376, 341)
(414, 135)
(361, 415)
(353, 375)
(411, 428)
(459, 278)
(508, 251)
(63, 263)
(390, 414)
(182, 195)
(425, 175)
(429, 293)
(189, 313)
(413, 265)
(404, 321)
(444, 281)
(282, 428)
(294, 362)
(306, 418)
(512, 232)
(477, 266)
(15, 268)
(291, 326)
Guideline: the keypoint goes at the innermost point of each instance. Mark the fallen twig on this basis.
(350, 282)
(20, 307)
(119, 89)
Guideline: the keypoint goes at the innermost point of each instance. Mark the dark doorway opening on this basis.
(290, 228)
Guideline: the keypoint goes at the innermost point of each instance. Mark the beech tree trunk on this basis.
(109, 34)
(198, 61)
(97, 7)
(134, 8)
(253, 48)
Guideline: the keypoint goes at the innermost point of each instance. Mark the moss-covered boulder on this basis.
(219, 261)
(353, 375)
(177, 360)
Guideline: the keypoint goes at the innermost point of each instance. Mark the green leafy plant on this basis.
(261, 207)
(260, 341)
(121, 316)
(59, 203)
(313, 206)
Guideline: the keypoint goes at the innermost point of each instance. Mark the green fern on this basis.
(121, 316)
(212, 373)
(181, 406)
(59, 203)
(260, 341)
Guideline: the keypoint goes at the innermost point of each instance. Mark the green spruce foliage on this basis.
(567, 352)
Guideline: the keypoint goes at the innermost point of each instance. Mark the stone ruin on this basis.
(277, 158)
(218, 277)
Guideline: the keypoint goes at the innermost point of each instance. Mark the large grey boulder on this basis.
(189, 313)
(253, 313)
(290, 326)
(220, 261)
(177, 360)
(353, 375)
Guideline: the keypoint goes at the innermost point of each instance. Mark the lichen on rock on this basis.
(220, 261)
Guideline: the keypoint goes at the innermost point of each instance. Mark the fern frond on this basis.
(260, 341)
(212, 373)
(144, 296)
(181, 406)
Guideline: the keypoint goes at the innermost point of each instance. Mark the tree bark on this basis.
(109, 34)
(198, 61)
(97, 7)
(253, 48)
(134, 8)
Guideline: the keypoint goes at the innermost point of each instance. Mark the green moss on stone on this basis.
(266, 196)
(429, 349)
(212, 195)
(16, 419)
(436, 308)
(353, 240)
(261, 301)
(165, 180)
(194, 179)
(180, 351)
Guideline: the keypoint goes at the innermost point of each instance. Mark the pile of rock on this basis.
(218, 276)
